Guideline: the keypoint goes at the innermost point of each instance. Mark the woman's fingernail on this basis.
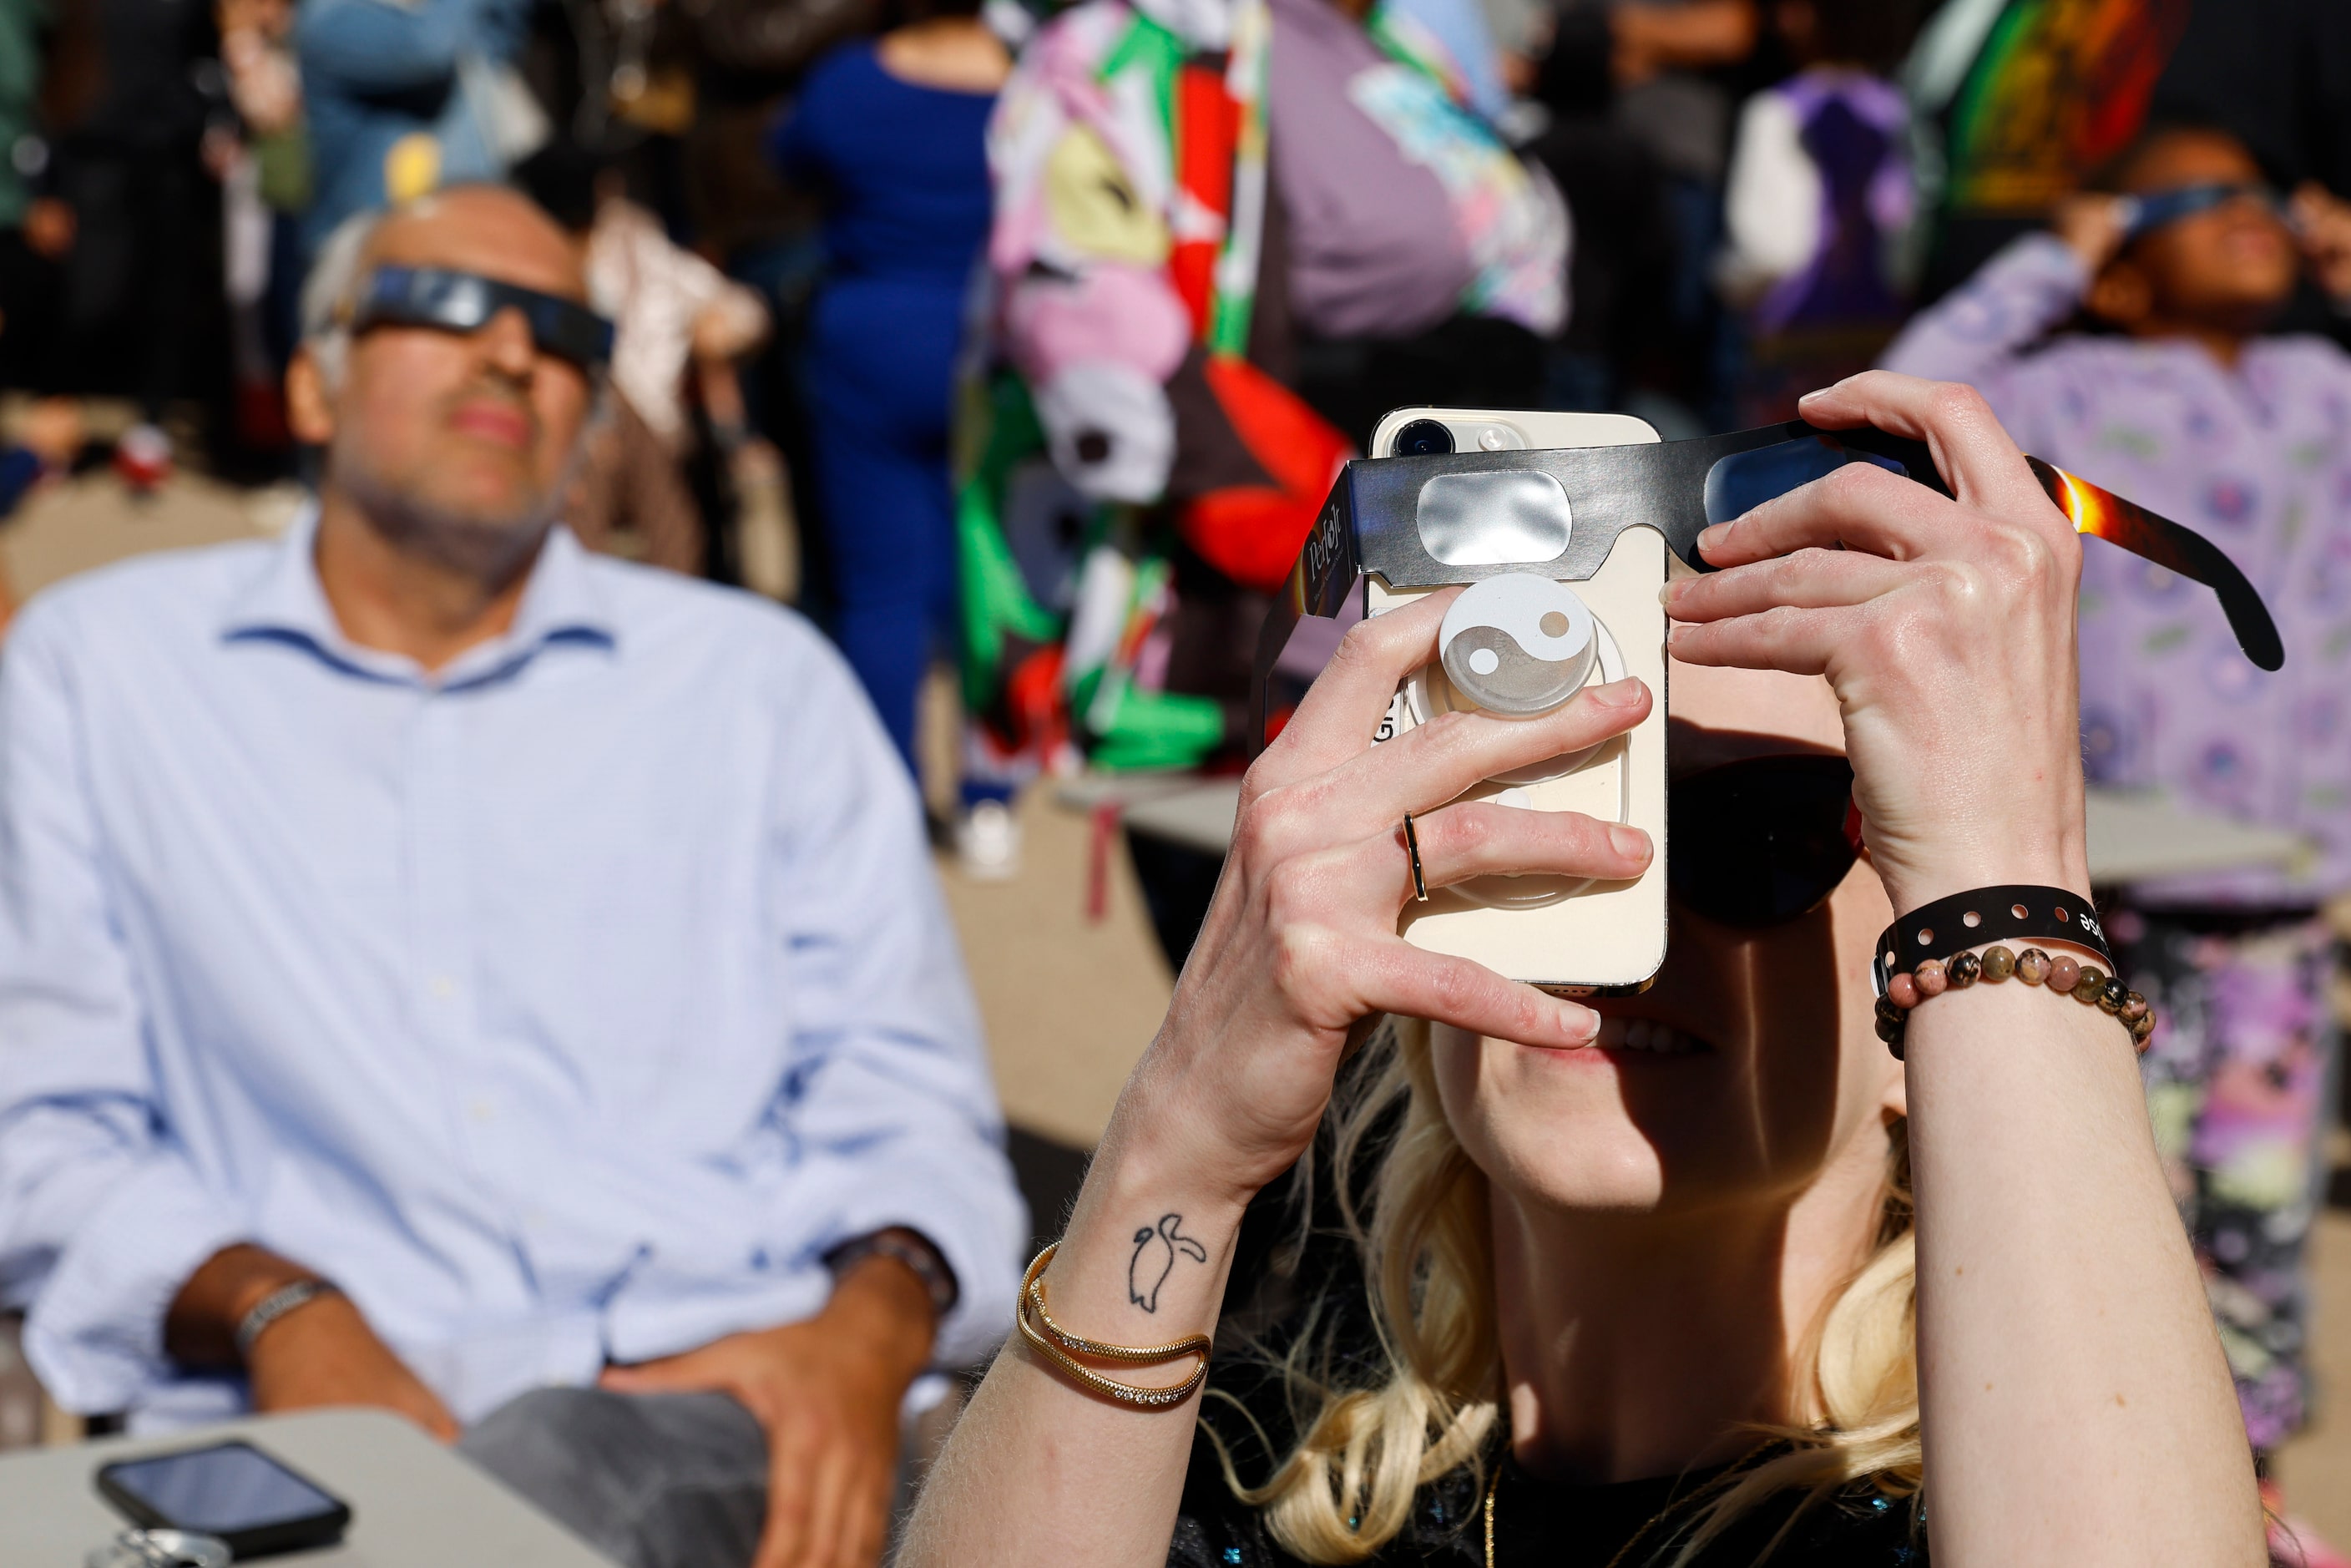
(1666, 594)
(1675, 632)
(1583, 1030)
(1712, 536)
(1630, 842)
(1620, 694)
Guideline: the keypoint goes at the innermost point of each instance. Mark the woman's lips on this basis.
(507, 425)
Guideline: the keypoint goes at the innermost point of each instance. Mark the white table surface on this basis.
(2133, 836)
(414, 1503)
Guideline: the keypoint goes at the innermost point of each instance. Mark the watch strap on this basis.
(285, 1299)
(909, 1247)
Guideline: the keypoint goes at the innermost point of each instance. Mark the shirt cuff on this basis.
(976, 1231)
(95, 1334)
(917, 1251)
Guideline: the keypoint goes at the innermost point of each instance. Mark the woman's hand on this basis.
(1301, 941)
(1946, 627)
(1299, 945)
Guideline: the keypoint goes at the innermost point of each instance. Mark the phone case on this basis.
(1571, 938)
(294, 1534)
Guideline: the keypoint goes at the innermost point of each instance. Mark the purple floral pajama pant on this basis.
(2241, 1085)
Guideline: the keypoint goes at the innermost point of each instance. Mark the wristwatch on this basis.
(275, 1305)
(909, 1247)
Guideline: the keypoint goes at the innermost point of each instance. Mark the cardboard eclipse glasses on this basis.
(1460, 517)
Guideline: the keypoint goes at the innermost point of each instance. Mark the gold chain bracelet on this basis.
(1052, 1338)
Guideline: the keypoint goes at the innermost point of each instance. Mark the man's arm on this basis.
(317, 1350)
(130, 1262)
(103, 1215)
(888, 1099)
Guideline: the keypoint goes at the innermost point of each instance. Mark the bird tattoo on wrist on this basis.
(1156, 1248)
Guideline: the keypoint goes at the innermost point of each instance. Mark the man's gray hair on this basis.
(331, 291)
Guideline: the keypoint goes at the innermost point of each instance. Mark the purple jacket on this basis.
(2259, 460)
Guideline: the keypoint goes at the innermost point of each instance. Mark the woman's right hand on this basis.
(1300, 942)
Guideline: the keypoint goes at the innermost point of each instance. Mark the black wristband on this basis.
(1982, 914)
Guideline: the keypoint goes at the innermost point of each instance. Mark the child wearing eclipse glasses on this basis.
(2184, 406)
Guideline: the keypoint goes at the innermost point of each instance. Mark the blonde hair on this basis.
(1426, 1248)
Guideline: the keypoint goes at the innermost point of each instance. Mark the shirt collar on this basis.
(562, 603)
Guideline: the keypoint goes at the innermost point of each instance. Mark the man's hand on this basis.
(321, 1353)
(826, 1393)
(2321, 220)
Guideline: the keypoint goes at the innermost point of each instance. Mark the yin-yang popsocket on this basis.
(1518, 644)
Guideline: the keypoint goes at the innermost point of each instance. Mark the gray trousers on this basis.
(650, 1480)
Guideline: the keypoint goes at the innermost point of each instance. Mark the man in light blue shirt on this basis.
(437, 964)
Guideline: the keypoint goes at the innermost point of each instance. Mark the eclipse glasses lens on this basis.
(1743, 481)
(467, 302)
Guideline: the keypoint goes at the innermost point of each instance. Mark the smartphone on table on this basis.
(254, 1502)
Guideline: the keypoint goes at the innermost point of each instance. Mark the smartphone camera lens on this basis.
(1424, 438)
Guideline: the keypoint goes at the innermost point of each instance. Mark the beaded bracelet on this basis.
(2086, 983)
(1943, 932)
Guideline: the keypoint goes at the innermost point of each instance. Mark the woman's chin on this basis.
(1581, 1166)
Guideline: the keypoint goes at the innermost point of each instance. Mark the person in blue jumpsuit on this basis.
(889, 133)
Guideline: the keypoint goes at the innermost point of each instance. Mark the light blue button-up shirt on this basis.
(564, 1006)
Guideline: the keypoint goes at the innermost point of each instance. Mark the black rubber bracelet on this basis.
(1984, 914)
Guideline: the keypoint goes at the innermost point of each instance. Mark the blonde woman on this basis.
(1645, 1275)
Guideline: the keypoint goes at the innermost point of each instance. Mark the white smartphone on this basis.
(1568, 936)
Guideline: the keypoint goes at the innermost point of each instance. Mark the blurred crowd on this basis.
(1026, 341)
(1023, 343)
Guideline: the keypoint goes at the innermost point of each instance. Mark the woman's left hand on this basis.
(1946, 627)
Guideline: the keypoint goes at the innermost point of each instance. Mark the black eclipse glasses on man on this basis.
(454, 302)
